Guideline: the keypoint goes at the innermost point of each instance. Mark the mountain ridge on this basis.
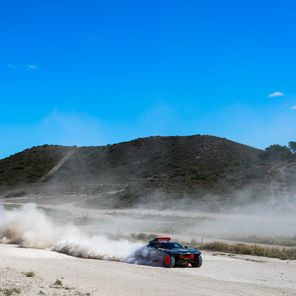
(195, 166)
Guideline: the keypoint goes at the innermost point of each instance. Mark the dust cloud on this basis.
(29, 227)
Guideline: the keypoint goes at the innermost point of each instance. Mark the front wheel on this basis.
(197, 261)
(168, 261)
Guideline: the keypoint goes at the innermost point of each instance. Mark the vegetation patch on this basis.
(280, 241)
(254, 250)
(29, 274)
(58, 282)
(143, 236)
(9, 291)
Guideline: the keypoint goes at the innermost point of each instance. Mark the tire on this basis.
(197, 261)
(168, 261)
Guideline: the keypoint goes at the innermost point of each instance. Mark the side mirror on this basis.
(185, 247)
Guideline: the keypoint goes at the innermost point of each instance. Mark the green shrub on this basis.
(29, 274)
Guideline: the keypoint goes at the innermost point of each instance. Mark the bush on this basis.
(292, 147)
(11, 291)
(58, 282)
(276, 153)
(29, 274)
(254, 250)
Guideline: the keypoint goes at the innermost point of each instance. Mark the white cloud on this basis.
(293, 107)
(32, 67)
(11, 66)
(276, 94)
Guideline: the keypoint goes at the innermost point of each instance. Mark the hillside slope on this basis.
(191, 165)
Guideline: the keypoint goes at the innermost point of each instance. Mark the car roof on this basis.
(163, 242)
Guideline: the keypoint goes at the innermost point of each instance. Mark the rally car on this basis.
(169, 254)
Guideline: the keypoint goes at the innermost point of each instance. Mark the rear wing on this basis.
(160, 239)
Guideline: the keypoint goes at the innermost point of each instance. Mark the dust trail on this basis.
(29, 227)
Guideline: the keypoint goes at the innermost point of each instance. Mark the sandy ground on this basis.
(219, 275)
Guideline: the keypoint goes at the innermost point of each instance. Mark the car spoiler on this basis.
(160, 239)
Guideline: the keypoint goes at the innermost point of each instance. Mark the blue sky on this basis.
(98, 72)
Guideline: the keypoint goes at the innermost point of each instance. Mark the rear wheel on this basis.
(197, 261)
(168, 261)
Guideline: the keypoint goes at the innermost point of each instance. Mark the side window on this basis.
(151, 245)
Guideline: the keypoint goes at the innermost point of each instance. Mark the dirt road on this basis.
(220, 275)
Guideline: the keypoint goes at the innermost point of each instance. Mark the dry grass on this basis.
(58, 282)
(254, 250)
(29, 274)
(144, 237)
(289, 241)
(9, 291)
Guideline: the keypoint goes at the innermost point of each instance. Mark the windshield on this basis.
(170, 245)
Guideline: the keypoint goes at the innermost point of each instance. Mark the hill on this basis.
(195, 166)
